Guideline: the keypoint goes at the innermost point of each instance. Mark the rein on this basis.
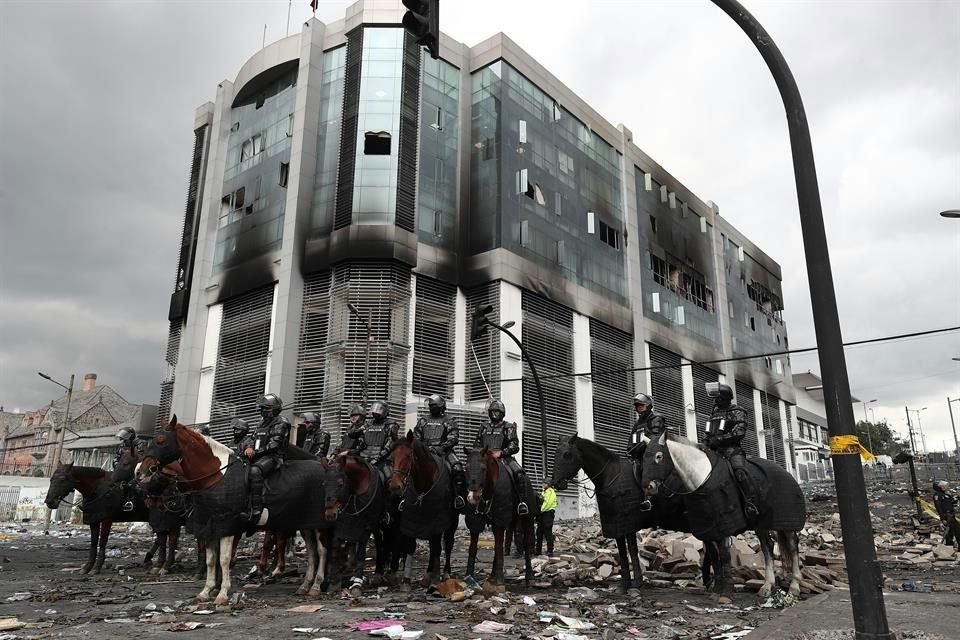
(354, 498)
(406, 480)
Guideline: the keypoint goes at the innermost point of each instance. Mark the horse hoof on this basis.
(301, 591)
(314, 593)
(794, 592)
(637, 583)
(85, 569)
(203, 597)
(221, 600)
(153, 571)
(163, 572)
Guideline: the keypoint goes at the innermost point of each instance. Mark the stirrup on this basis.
(523, 509)
(751, 510)
(646, 505)
(128, 505)
(459, 502)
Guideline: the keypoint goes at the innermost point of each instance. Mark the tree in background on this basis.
(884, 440)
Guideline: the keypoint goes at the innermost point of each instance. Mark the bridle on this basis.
(354, 498)
(409, 474)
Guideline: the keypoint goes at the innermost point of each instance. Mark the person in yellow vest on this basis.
(548, 509)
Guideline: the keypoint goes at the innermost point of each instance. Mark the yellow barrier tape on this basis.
(848, 446)
(929, 508)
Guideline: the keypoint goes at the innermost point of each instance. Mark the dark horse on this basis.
(620, 501)
(218, 484)
(423, 483)
(102, 505)
(491, 501)
(355, 501)
(710, 496)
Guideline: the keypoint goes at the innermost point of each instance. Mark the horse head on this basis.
(335, 489)
(126, 467)
(62, 483)
(567, 462)
(403, 460)
(480, 471)
(657, 465)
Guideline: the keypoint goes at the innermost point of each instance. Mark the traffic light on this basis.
(423, 23)
(478, 325)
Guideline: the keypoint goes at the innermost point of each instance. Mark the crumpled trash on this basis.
(20, 595)
(371, 625)
(732, 635)
(472, 583)
(396, 632)
(906, 586)
(530, 602)
(490, 626)
(305, 629)
(576, 623)
(11, 624)
(582, 593)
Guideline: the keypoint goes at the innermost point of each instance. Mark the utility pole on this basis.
(58, 451)
(953, 426)
(913, 469)
(869, 425)
(366, 358)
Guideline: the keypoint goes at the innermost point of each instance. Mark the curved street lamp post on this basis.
(58, 451)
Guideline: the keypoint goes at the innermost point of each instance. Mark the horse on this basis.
(490, 493)
(218, 489)
(713, 502)
(422, 481)
(619, 500)
(102, 505)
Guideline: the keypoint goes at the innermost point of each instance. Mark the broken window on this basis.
(653, 223)
(284, 173)
(290, 126)
(609, 235)
(438, 120)
(523, 182)
(376, 143)
(246, 150)
(534, 192)
(257, 144)
(753, 324)
(659, 268)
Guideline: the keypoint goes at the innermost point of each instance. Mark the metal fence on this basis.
(9, 499)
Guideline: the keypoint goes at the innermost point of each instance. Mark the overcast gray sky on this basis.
(97, 108)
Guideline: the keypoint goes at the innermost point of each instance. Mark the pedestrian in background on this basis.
(946, 506)
(548, 510)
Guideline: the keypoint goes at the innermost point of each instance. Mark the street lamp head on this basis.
(352, 308)
(507, 325)
(951, 213)
(871, 401)
(43, 375)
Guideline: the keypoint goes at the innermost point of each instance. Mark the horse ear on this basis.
(468, 450)
(573, 439)
(173, 423)
(663, 439)
(409, 436)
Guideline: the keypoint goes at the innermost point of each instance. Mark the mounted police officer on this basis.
(129, 442)
(649, 425)
(266, 449)
(241, 429)
(501, 437)
(374, 438)
(316, 441)
(726, 428)
(946, 506)
(441, 434)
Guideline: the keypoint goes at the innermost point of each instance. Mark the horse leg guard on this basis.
(637, 581)
(522, 508)
(153, 550)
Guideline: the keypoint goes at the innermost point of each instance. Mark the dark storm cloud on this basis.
(99, 97)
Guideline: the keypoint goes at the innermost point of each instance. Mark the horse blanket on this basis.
(420, 518)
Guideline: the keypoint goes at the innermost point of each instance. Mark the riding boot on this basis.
(522, 508)
(460, 489)
(256, 499)
(749, 495)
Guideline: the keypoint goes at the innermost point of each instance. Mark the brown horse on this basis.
(354, 502)
(426, 509)
(219, 489)
(101, 507)
(490, 494)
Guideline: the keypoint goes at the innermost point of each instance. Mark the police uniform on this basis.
(500, 435)
(726, 428)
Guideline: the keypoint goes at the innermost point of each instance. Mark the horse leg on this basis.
(92, 556)
(160, 542)
(320, 577)
(280, 557)
(624, 565)
(309, 538)
(722, 583)
(790, 550)
(173, 537)
(472, 552)
(147, 559)
(496, 576)
(102, 549)
(433, 567)
(224, 596)
(233, 550)
(528, 542)
(448, 546)
(201, 560)
(769, 575)
(707, 564)
(210, 548)
(635, 559)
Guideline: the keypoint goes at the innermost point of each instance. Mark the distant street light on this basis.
(869, 425)
(951, 213)
(953, 426)
(59, 449)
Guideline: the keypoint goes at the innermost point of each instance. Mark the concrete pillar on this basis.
(586, 507)
(689, 408)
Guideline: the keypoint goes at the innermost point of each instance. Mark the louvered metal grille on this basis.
(314, 328)
(433, 341)
(791, 454)
(166, 387)
(702, 403)
(181, 286)
(343, 212)
(667, 388)
(486, 348)
(548, 339)
(745, 401)
(241, 360)
(409, 121)
(613, 416)
(381, 293)
(774, 428)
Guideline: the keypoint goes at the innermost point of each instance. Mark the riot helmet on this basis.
(380, 411)
(642, 403)
(240, 429)
(205, 430)
(357, 413)
(270, 405)
(941, 486)
(310, 420)
(722, 394)
(126, 434)
(496, 407)
(437, 405)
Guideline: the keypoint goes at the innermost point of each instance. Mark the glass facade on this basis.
(676, 262)
(255, 178)
(328, 140)
(439, 131)
(543, 185)
(378, 127)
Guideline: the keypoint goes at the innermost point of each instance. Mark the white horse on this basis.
(701, 474)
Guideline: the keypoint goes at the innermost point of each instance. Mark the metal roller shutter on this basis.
(312, 353)
(241, 360)
(548, 339)
(667, 388)
(486, 349)
(433, 337)
(381, 293)
(773, 428)
(611, 350)
(702, 403)
(745, 401)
